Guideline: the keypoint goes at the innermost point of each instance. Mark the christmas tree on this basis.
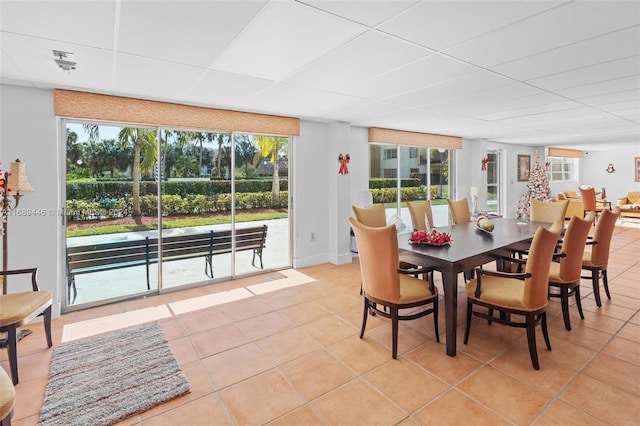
(537, 187)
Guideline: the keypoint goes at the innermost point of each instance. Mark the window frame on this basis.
(568, 169)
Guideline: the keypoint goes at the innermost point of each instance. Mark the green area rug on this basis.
(104, 379)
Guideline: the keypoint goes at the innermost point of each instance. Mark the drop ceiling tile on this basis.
(442, 24)
(35, 58)
(367, 12)
(424, 72)
(365, 56)
(567, 24)
(223, 88)
(297, 101)
(591, 74)
(86, 23)
(451, 89)
(186, 32)
(515, 95)
(610, 47)
(284, 37)
(154, 79)
(527, 111)
(557, 119)
(610, 98)
(9, 70)
(596, 89)
(359, 109)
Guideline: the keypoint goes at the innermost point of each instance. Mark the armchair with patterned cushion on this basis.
(630, 205)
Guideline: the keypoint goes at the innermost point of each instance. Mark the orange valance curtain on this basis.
(92, 106)
(402, 137)
(563, 152)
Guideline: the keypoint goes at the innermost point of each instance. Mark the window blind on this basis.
(402, 137)
(92, 106)
(563, 152)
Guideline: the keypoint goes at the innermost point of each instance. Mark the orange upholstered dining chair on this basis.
(375, 217)
(459, 210)
(510, 294)
(421, 214)
(589, 201)
(548, 211)
(384, 285)
(596, 259)
(564, 273)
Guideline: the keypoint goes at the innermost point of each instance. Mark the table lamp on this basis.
(474, 191)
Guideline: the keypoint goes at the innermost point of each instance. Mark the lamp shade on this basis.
(18, 178)
(474, 191)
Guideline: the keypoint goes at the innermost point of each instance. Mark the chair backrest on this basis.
(575, 239)
(590, 216)
(570, 194)
(602, 236)
(419, 210)
(378, 255)
(588, 195)
(459, 210)
(545, 211)
(373, 216)
(536, 287)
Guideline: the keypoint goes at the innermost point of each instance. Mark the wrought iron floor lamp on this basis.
(12, 184)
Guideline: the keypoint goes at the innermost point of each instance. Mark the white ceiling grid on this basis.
(562, 73)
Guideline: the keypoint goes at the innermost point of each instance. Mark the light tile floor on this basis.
(293, 357)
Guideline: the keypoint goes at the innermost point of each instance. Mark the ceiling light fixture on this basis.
(63, 62)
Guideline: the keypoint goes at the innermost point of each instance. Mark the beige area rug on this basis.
(104, 379)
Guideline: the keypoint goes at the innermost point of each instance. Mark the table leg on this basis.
(450, 285)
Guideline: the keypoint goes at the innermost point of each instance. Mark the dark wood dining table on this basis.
(470, 247)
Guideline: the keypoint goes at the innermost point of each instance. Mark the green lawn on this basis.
(168, 223)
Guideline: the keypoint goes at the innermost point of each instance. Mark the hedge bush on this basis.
(377, 183)
(94, 191)
(171, 205)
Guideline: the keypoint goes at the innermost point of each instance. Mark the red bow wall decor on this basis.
(485, 160)
(344, 160)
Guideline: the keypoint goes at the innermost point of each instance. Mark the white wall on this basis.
(28, 131)
(593, 171)
(322, 199)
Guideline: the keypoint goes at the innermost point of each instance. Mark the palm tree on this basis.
(145, 154)
(221, 138)
(245, 151)
(271, 147)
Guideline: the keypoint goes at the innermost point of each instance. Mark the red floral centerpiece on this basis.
(432, 238)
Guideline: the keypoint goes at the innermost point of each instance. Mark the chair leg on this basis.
(47, 326)
(12, 353)
(435, 319)
(578, 301)
(596, 286)
(365, 313)
(605, 283)
(564, 301)
(468, 326)
(491, 315)
(531, 338)
(545, 332)
(394, 332)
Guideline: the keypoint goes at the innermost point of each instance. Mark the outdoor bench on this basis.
(111, 255)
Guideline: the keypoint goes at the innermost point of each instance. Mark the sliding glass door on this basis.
(110, 215)
(402, 173)
(221, 200)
